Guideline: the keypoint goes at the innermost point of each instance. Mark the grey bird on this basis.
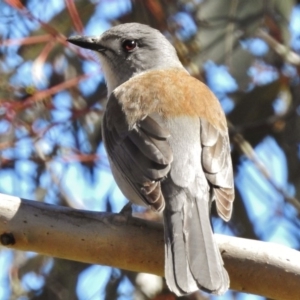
(167, 142)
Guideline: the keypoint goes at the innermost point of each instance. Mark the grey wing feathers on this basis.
(141, 153)
(217, 166)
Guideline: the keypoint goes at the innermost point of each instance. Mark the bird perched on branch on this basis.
(167, 142)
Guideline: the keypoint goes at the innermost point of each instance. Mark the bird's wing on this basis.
(217, 166)
(141, 152)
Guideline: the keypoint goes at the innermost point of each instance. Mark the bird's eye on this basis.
(129, 45)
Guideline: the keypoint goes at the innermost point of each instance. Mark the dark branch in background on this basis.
(246, 149)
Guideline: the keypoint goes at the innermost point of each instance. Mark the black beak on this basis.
(88, 42)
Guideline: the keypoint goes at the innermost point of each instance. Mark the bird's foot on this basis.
(126, 210)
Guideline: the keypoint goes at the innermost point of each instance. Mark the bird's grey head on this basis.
(130, 49)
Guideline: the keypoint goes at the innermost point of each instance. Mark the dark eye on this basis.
(129, 45)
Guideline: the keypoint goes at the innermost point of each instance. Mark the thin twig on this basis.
(229, 41)
(288, 55)
(245, 147)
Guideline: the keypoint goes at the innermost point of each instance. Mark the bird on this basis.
(167, 142)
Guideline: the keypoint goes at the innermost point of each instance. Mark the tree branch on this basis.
(134, 244)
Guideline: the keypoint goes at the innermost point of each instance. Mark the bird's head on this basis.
(129, 49)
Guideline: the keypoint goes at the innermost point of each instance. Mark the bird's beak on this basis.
(88, 42)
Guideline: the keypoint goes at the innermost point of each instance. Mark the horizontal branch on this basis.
(134, 244)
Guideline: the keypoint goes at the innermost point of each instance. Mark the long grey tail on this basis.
(192, 258)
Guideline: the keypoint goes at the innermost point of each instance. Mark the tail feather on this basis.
(177, 271)
(203, 254)
(193, 259)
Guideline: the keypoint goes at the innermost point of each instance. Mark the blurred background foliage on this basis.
(52, 97)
